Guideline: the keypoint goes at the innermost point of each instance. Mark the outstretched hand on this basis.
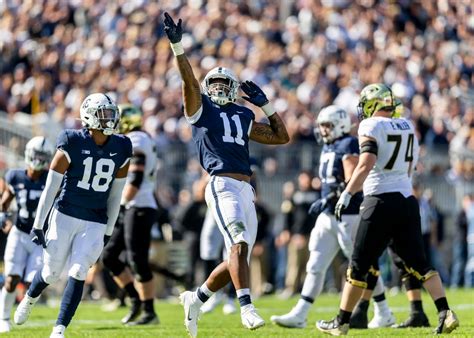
(172, 30)
(255, 94)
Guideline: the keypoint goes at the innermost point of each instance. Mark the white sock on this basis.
(205, 290)
(6, 303)
(381, 307)
(302, 308)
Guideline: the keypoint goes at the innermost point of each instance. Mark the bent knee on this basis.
(356, 277)
(49, 275)
(11, 282)
(78, 271)
(239, 249)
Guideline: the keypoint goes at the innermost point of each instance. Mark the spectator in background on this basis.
(469, 271)
(298, 224)
(460, 244)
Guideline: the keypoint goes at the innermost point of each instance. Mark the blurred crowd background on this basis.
(305, 54)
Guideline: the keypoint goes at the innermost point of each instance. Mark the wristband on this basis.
(177, 48)
(268, 109)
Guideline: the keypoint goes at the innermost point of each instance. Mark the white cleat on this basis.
(191, 312)
(24, 309)
(5, 325)
(291, 319)
(251, 319)
(58, 331)
(386, 319)
(229, 308)
(211, 303)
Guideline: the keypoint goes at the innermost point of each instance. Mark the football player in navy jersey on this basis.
(89, 170)
(222, 130)
(22, 257)
(338, 159)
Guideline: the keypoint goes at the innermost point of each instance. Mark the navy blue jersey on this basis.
(27, 194)
(221, 135)
(92, 169)
(331, 171)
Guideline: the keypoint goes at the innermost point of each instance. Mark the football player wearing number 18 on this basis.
(89, 168)
(222, 131)
(389, 212)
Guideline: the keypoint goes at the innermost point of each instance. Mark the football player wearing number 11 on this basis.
(221, 131)
(89, 168)
(389, 212)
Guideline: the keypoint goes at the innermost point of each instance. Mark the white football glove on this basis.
(342, 204)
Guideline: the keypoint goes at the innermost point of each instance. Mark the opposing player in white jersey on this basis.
(89, 170)
(389, 212)
(132, 232)
(338, 159)
(22, 257)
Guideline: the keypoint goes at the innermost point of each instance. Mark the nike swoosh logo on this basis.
(189, 318)
(113, 154)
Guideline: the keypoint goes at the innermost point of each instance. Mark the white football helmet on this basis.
(38, 153)
(338, 118)
(221, 92)
(98, 111)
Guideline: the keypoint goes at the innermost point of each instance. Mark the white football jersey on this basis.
(397, 156)
(143, 143)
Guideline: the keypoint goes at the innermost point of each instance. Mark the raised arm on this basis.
(191, 87)
(273, 133)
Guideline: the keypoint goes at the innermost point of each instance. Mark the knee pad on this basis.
(115, 265)
(141, 271)
(410, 282)
(49, 276)
(78, 271)
(355, 277)
(422, 277)
(372, 278)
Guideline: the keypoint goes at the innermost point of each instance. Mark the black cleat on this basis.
(135, 311)
(148, 318)
(359, 320)
(416, 319)
(448, 322)
(333, 327)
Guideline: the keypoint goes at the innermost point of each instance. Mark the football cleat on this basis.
(58, 331)
(5, 325)
(148, 318)
(333, 327)
(250, 318)
(135, 311)
(359, 320)
(191, 312)
(416, 319)
(24, 309)
(382, 320)
(448, 322)
(291, 319)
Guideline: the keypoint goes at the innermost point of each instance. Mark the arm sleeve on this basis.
(113, 204)
(53, 182)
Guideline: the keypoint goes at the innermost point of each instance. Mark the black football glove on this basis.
(38, 239)
(255, 95)
(317, 207)
(172, 30)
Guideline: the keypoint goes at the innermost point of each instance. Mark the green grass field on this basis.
(90, 321)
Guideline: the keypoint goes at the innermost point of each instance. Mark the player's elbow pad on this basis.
(113, 204)
(369, 147)
(53, 182)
